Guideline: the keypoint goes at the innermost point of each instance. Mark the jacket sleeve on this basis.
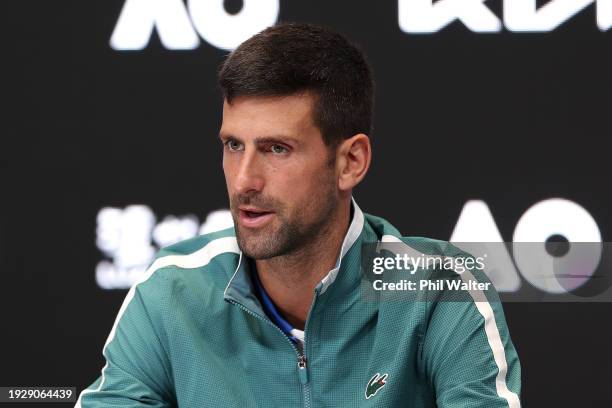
(137, 370)
(467, 352)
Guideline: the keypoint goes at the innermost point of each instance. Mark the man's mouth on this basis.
(251, 217)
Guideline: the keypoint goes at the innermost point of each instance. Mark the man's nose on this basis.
(249, 175)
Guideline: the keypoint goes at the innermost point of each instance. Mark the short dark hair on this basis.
(289, 58)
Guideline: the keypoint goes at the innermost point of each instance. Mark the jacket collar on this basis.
(351, 236)
(241, 289)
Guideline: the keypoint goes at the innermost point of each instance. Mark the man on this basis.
(270, 313)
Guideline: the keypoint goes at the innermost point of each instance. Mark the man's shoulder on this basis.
(378, 229)
(387, 233)
(224, 239)
(432, 246)
(208, 259)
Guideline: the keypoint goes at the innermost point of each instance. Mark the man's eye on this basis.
(278, 149)
(233, 145)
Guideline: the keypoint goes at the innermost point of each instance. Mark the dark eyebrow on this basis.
(264, 139)
(275, 139)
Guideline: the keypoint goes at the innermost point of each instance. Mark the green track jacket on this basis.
(192, 333)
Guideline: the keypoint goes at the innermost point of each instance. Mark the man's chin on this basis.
(255, 244)
(256, 253)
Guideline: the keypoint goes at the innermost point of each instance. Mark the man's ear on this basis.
(353, 158)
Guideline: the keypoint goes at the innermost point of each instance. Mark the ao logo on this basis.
(545, 219)
(177, 24)
(425, 16)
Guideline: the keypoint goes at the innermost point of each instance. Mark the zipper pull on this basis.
(302, 370)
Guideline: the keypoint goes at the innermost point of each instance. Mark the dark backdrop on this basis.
(508, 118)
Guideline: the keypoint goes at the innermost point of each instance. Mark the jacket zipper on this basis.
(301, 362)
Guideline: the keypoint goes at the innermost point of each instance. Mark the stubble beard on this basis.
(294, 233)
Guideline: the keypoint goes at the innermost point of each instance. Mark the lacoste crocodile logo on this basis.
(375, 384)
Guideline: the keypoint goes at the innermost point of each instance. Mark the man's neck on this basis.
(289, 280)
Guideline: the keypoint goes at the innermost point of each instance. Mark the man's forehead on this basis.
(290, 115)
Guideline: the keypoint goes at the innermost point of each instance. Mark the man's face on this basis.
(280, 180)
